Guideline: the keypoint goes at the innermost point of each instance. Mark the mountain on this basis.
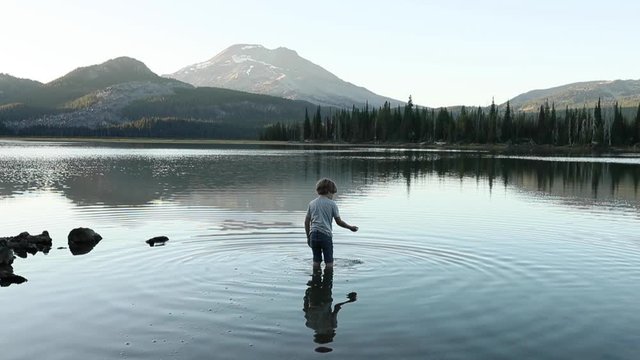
(13, 89)
(122, 96)
(576, 95)
(280, 72)
(85, 80)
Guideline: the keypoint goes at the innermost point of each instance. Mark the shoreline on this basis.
(520, 149)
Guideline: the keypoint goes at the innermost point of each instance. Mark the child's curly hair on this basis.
(326, 186)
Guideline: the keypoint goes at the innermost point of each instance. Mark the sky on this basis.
(442, 53)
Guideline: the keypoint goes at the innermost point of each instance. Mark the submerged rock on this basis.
(82, 240)
(157, 241)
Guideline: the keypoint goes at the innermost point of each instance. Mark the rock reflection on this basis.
(318, 312)
(81, 248)
(7, 277)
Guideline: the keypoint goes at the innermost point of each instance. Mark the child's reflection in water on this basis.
(317, 307)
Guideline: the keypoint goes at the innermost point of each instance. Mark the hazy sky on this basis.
(441, 52)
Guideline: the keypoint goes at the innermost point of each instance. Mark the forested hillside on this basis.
(122, 97)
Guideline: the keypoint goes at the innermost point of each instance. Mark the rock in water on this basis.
(82, 240)
(83, 235)
(24, 243)
(6, 253)
(20, 245)
(157, 241)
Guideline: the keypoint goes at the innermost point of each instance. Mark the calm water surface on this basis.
(459, 255)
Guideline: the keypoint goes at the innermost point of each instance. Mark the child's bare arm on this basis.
(343, 224)
(307, 225)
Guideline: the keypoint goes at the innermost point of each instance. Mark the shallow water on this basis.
(459, 255)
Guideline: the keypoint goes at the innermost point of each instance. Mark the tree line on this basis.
(607, 126)
(149, 127)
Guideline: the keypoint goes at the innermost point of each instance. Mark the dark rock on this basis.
(83, 235)
(20, 245)
(24, 244)
(82, 240)
(24, 240)
(157, 241)
(6, 253)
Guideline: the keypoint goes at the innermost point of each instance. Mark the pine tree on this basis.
(617, 136)
(542, 126)
(493, 123)
(576, 126)
(507, 125)
(316, 126)
(466, 125)
(442, 128)
(553, 122)
(307, 126)
(568, 120)
(481, 135)
(384, 122)
(407, 125)
(598, 125)
(585, 126)
(636, 127)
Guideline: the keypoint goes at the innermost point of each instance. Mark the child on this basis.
(317, 224)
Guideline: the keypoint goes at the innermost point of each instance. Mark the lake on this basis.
(460, 255)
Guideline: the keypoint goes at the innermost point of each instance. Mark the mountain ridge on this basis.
(13, 88)
(278, 72)
(579, 94)
(123, 91)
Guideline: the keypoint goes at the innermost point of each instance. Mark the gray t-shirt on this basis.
(322, 211)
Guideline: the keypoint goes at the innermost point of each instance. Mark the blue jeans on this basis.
(321, 244)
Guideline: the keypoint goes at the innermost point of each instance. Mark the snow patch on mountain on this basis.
(238, 59)
(204, 65)
(249, 47)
